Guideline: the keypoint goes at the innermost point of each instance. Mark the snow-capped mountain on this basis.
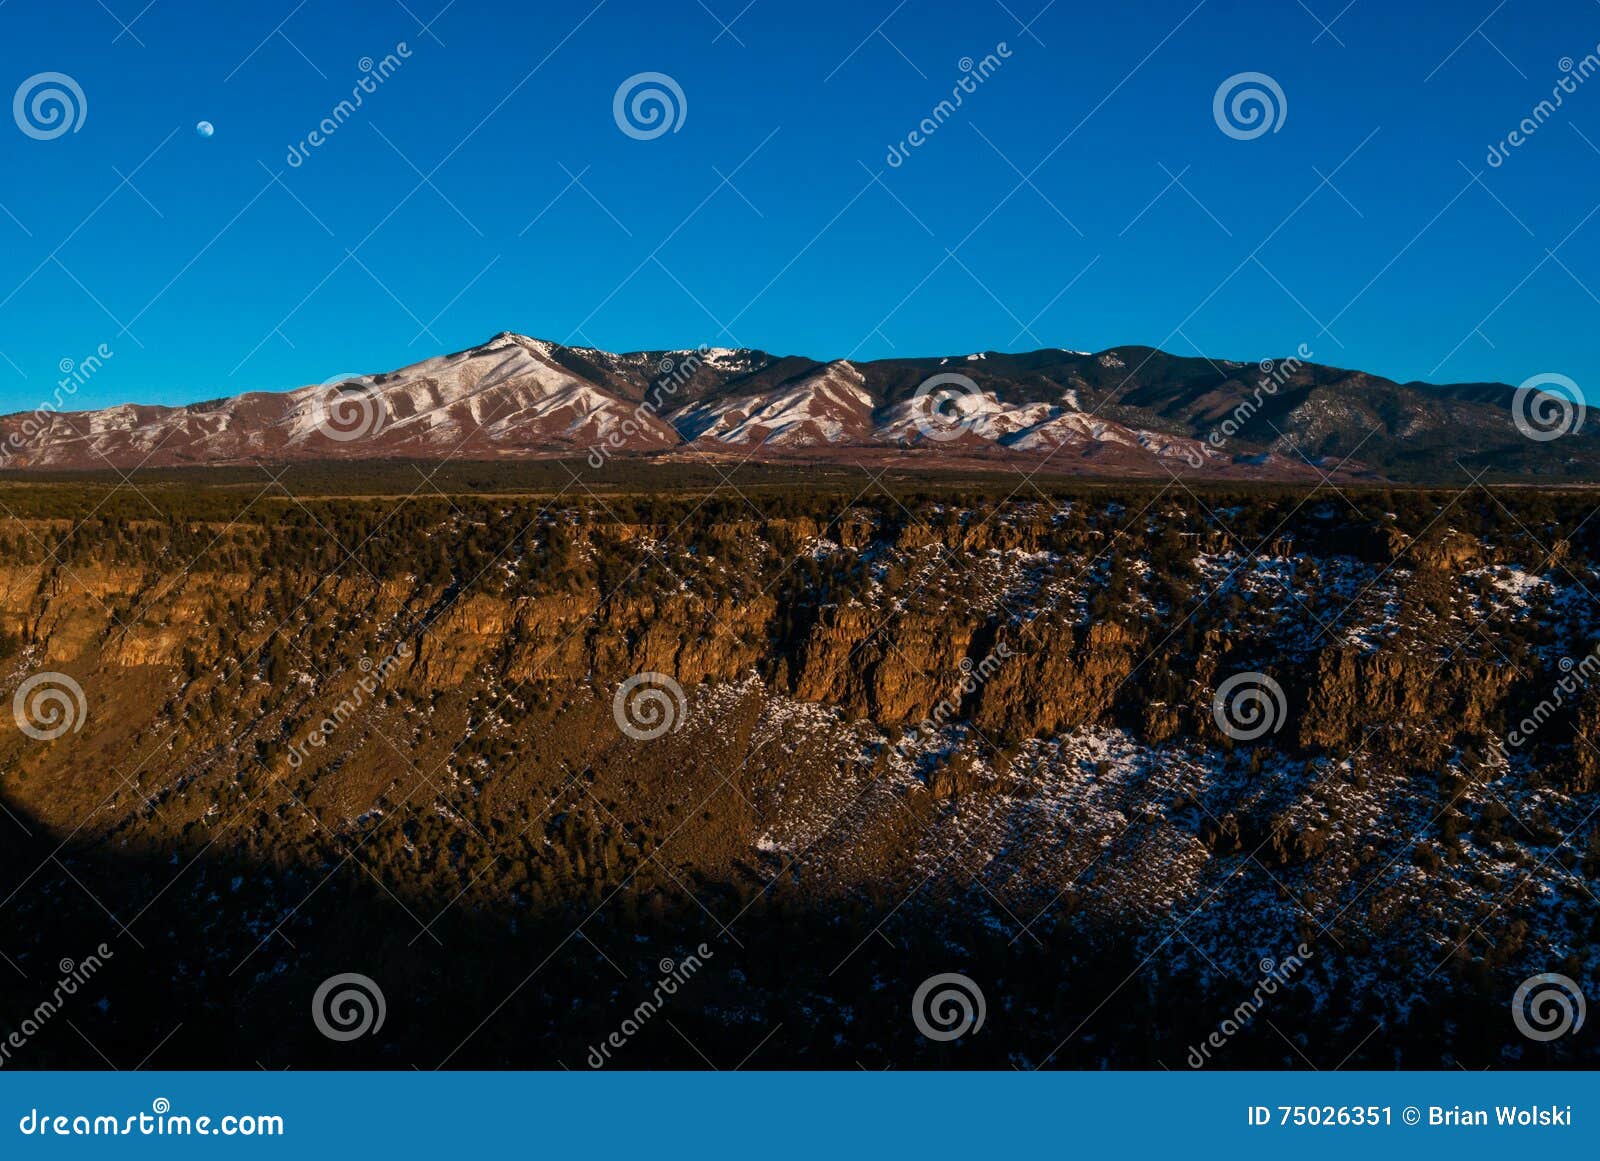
(1125, 411)
(830, 405)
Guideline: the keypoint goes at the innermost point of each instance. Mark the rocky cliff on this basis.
(1204, 729)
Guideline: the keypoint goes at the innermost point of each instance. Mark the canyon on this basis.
(892, 734)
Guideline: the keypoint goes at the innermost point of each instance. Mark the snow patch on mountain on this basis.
(829, 406)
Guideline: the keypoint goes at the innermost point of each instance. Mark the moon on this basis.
(205, 129)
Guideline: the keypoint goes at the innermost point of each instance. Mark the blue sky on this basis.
(1083, 196)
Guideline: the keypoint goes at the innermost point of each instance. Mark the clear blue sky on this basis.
(219, 268)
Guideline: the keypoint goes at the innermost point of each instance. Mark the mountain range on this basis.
(1125, 411)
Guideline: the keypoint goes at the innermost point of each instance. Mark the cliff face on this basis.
(1258, 721)
(1365, 626)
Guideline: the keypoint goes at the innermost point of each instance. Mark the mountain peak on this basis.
(1125, 411)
